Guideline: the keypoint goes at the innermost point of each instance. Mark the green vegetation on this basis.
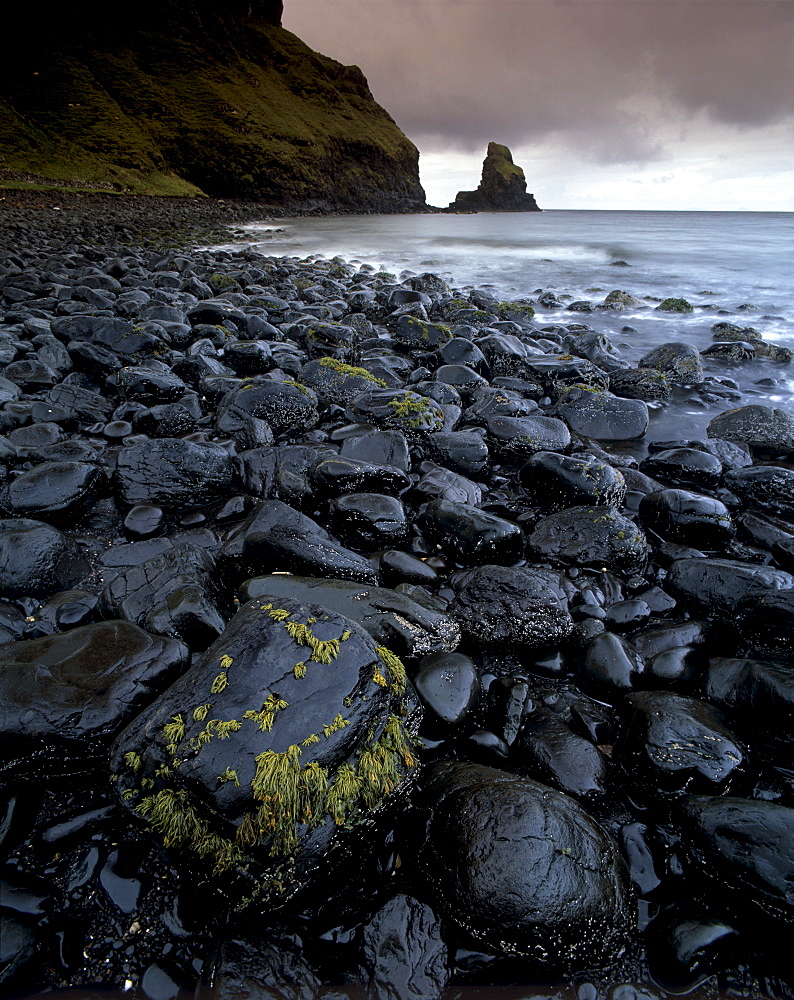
(343, 369)
(676, 305)
(180, 104)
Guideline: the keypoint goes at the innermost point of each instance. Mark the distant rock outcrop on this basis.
(503, 187)
(183, 97)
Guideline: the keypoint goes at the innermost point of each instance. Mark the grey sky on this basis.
(619, 86)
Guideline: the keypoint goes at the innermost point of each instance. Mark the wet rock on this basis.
(369, 520)
(151, 383)
(272, 969)
(489, 833)
(556, 481)
(403, 954)
(737, 350)
(520, 437)
(283, 471)
(173, 473)
(338, 383)
(688, 518)
(768, 487)
(18, 946)
(391, 618)
(685, 950)
(679, 363)
(379, 447)
(684, 468)
(548, 750)
(174, 593)
(590, 536)
(512, 606)
(767, 622)
(611, 667)
(473, 535)
(602, 415)
(144, 520)
(248, 357)
(284, 406)
(679, 743)
(622, 616)
(490, 402)
(277, 535)
(400, 409)
(46, 682)
(276, 752)
(412, 332)
(557, 374)
(742, 848)
(399, 567)
(441, 484)
(718, 586)
(460, 451)
(337, 475)
(763, 428)
(758, 692)
(448, 684)
(37, 559)
(54, 491)
(643, 383)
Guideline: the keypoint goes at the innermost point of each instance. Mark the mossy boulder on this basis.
(290, 727)
(400, 409)
(675, 305)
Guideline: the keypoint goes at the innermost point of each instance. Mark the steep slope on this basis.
(503, 187)
(180, 98)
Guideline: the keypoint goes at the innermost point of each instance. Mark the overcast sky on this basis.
(668, 104)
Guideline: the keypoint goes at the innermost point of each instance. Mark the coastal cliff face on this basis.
(503, 187)
(182, 98)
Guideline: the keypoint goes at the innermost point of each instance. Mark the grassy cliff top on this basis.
(192, 98)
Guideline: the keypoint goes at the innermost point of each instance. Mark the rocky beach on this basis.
(349, 649)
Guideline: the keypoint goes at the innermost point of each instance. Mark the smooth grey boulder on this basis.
(602, 415)
(523, 868)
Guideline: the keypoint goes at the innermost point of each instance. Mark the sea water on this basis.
(732, 266)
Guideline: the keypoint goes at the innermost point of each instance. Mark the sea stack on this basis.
(503, 187)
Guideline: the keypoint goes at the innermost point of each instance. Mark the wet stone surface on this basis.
(355, 642)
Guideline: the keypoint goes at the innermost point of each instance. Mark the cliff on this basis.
(503, 187)
(186, 97)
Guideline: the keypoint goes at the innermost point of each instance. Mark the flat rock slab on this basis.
(83, 684)
(391, 618)
(173, 473)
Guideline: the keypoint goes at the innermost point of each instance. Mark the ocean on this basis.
(732, 266)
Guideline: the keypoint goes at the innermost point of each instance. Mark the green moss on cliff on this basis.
(179, 104)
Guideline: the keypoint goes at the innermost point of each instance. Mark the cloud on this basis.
(613, 80)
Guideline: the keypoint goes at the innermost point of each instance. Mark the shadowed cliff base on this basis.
(503, 187)
(191, 99)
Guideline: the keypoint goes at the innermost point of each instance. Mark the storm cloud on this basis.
(617, 79)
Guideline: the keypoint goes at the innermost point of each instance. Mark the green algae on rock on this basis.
(309, 731)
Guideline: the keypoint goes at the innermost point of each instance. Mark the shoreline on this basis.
(187, 431)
